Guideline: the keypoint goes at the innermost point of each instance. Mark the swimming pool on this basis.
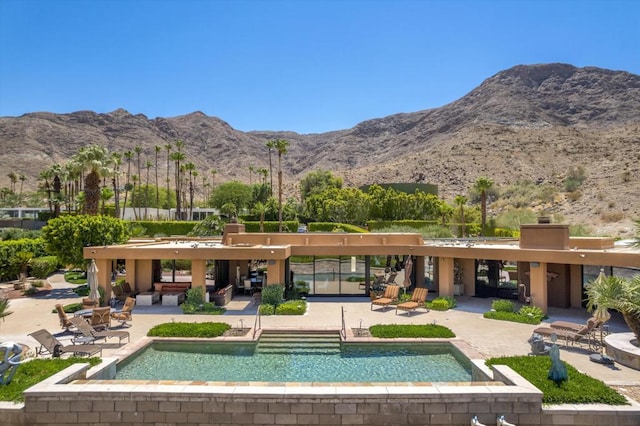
(246, 362)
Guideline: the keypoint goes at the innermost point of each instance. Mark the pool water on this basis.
(246, 362)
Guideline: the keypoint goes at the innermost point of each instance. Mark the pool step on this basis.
(320, 343)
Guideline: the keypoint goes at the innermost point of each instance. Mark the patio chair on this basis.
(390, 295)
(244, 286)
(118, 293)
(101, 318)
(126, 290)
(64, 319)
(50, 345)
(418, 299)
(124, 315)
(592, 322)
(89, 303)
(88, 331)
(391, 279)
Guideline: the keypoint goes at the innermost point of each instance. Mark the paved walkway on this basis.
(489, 337)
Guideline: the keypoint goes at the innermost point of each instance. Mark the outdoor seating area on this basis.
(50, 345)
(124, 316)
(89, 332)
(573, 333)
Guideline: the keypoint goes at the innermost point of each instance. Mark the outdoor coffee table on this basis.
(148, 298)
(172, 299)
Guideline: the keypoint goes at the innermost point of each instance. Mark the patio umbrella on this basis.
(92, 281)
(408, 265)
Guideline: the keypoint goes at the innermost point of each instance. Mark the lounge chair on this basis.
(585, 333)
(418, 298)
(64, 319)
(391, 279)
(390, 295)
(88, 331)
(101, 318)
(50, 345)
(592, 322)
(124, 315)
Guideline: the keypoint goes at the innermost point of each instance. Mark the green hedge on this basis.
(334, 227)
(579, 389)
(271, 226)
(165, 228)
(189, 329)
(8, 249)
(374, 225)
(391, 331)
(512, 316)
(292, 307)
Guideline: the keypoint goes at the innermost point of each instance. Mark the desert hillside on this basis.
(530, 122)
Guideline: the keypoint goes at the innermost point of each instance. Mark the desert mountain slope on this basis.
(530, 122)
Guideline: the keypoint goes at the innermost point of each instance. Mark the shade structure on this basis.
(92, 281)
(408, 266)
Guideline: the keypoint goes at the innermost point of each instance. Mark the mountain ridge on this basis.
(529, 122)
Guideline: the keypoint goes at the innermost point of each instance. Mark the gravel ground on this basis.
(632, 392)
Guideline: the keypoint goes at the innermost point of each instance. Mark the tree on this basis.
(158, 148)
(260, 210)
(116, 160)
(95, 159)
(128, 155)
(460, 201)
(317, 182)
(66, 236)
(168, 148)
(482, 185)
(270, 145)
(148, 166)
(282, 146)
(617, 293)
(236, 193)
(22, 179)
(138, 151)
(177, 157)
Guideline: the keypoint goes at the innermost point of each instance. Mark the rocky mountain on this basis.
(530, 122)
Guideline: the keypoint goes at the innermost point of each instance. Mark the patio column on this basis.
(275, 272)
(575, 286)
(130, 274)
(445, 276)
(104, 277)
(538, 277)
(198, 273)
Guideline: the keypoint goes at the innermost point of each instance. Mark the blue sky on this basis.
(306, 66)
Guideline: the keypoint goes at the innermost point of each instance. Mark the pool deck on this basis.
(489, 338)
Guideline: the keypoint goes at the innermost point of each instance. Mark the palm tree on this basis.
(482, 185)
(617, 293)
(148, 166)
(116, 160)
(177, 157)
(128, 155)
(282, 146)
(213, 172)
(13, 179)
(157, 148)
(168, 148)
(47, 176)
(190, 167)
(22, 179)
(95, 159)
(260, 209)
(138, 151)
(271, 145)
(460, 201)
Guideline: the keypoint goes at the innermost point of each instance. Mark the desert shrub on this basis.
(574, 179)
(580, 230)
(532, 311)
(30, 291)
(194, 296)
(189, 329)
(579, 389)
(391, 331)
(291, 307)
(502, 306)
(37, 283)
(511, 316)
(266, 309)
(442, 303)
(273, 294)
(42, 267)
(207, 308)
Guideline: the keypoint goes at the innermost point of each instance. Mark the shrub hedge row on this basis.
(189, 329)
(8, 268)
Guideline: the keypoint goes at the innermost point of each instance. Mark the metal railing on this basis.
(343, 330)
(257, 323)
